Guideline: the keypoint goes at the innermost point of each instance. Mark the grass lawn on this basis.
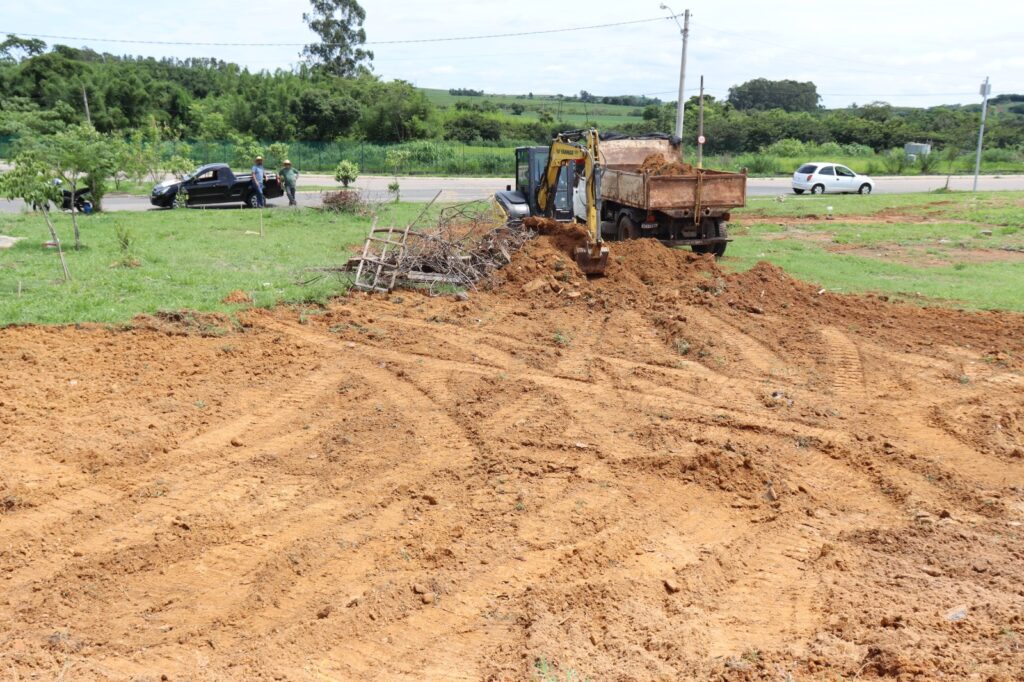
(931, 246)
(186, 259)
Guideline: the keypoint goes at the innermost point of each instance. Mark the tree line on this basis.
(204, 99)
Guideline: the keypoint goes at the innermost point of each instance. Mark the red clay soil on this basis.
(657, 164)
(670, 472)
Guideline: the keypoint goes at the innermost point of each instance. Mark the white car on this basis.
(819, 177)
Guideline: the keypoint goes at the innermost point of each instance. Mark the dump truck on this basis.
(672, 202)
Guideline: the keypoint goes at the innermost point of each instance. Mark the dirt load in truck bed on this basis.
(671, 472)
(657, 164)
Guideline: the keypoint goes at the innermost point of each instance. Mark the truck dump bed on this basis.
(709, 192)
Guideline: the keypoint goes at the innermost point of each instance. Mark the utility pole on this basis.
(684, 30)
(700, 126)
(85, 98)
(986, 89)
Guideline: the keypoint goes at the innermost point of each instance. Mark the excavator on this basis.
(549, 192)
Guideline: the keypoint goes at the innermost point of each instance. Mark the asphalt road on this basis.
(468, 189)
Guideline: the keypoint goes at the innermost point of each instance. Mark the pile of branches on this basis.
(468, 244)
(460, 254)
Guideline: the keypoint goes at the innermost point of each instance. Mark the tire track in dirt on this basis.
(209, 470)
(757, 358)
(843, 359)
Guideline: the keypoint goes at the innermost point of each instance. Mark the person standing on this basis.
(289, 176)
(258, 176)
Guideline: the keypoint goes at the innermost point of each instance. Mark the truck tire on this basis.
(628, 229)
(710, 228)
(251, 201)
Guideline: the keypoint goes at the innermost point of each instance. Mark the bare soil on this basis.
(667, 473)
(657, 164)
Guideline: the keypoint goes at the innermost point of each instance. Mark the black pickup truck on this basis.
(214, 183)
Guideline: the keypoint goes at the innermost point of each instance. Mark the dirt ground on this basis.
(667, 473)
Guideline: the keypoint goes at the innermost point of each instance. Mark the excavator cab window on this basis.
(523, 170)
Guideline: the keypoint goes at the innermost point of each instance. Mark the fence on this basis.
(420, 158)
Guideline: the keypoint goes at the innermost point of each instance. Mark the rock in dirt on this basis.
(419, 589)
(931, 570)
(427, 598)
(236, 442)
(324, 612)
(671, 586)
(534, 285)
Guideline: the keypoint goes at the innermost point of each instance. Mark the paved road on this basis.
(468, 189)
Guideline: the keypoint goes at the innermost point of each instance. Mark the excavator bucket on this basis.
(592, 259)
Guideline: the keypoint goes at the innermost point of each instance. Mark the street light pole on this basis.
(684, 30)
(985, 90)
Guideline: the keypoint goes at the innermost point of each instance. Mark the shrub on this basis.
(760, 164)
(346, 172)
(895, 161)
(928, 163)
(786, 147)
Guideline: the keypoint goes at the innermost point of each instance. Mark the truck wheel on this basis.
(628, 229)
(251, 201)
(710, 228)
(818, 189)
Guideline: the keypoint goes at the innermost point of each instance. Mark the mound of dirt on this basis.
(237, 296)
(669, 472)
(657, 164)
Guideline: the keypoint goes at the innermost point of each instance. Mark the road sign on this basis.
(701, 139)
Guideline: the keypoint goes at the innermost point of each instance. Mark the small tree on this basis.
(30, 181)
(78, 155)
(346, 172)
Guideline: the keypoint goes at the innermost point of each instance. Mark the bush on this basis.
(787, 147)
(928, 163)
(1000, 155)
(895, 161)
(854, 149)
(346, 172)
(760, 164)
(345, 202)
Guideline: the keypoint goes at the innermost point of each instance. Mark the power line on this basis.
(379, 42)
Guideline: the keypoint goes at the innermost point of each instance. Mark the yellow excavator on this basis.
(544, 187)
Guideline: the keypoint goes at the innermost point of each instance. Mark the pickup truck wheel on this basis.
(818, 189)
(628, 229)
(252, 201)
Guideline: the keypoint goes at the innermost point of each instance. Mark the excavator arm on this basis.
(572, 147)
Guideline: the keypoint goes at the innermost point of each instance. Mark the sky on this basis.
(855, 51)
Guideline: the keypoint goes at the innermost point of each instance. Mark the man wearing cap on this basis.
(288, 177)
(257, 182)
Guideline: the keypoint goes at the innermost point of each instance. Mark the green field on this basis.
(918, 246)
(185, 259)
(569, 111)
(930, 248)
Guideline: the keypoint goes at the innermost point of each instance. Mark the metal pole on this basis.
(700, 127)
(985, 90)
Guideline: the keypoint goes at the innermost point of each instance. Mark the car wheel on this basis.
(797, 191)
(175, 203)
(818, 189)
(865, 189)
(628, 229)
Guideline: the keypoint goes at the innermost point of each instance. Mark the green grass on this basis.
(568, 111)
(952, 235)
(188, 259)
